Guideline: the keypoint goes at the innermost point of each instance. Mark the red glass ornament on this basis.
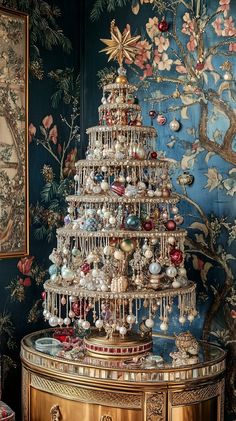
(163, 25)
(148, 225)
(113, 242)
(176, 256)
(43, 295)
(152, 113)
(153, 155)
(170, 225)
(85, 267)
(200, 66)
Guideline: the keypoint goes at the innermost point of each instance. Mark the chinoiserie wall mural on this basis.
(184, 67)
(185, 70)
(53, 143)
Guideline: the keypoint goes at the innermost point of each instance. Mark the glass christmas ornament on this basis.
(118, 188)
(99, 323)
(174, 125)
(132, 222)
(171, 271)
(127, 245)
(130, 318)
(154, 268)
(149, 323)
(153, 155)
(161, 119)
(176, 256)
(90, 224)
(163, 25)
(148, 225)
(170, 225)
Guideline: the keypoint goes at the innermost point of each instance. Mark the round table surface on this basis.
(69, 358)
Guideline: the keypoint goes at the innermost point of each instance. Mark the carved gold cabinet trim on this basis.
(55, 413)
(196, 395)
(106, 418)
(93, 396)
(155, 406)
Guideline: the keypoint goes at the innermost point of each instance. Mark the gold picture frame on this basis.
(14, 200)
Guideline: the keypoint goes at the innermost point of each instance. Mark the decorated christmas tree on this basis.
(118, 268)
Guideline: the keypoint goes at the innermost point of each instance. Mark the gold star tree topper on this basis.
(121, 45)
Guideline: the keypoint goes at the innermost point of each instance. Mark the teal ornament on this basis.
(53, 270)
(98, 177)
(90, 224)
(132, 222)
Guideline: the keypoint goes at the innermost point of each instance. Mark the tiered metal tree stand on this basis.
(119, 261)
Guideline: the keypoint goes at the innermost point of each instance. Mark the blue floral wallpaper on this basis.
(185, 70)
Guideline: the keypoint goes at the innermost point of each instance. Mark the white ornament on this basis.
(104, 169)
(60, 321)
(164, 326)
(150, 193)
(112, 220)
(182, 271)
(97, 189)
(148, 254)
(99, 323)
(149, 323)
(85, 325)
(67, 274)
(174, 125)
(182, 319)
(53, 321)
(130, 319)
(119, 255)
(175, 210)
(67, 321)
(107, 250)
(190, 317)
(176, 284)
(158, 193)
(171, 271)
(154, 268)
(123, 330)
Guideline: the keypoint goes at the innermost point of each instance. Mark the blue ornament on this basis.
(98, 177)
(90, 224)
(132, 222)
(53, 270)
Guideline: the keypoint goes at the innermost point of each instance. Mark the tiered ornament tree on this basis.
(119, 262)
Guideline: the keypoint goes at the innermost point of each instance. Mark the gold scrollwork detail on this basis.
(196, 395)
(155, 406)
(55, 413)
(93, 396)
(106, 418)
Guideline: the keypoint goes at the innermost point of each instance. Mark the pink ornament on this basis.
(118, 188)
(161, 119)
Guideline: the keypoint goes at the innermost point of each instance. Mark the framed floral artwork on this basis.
(14, 209)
